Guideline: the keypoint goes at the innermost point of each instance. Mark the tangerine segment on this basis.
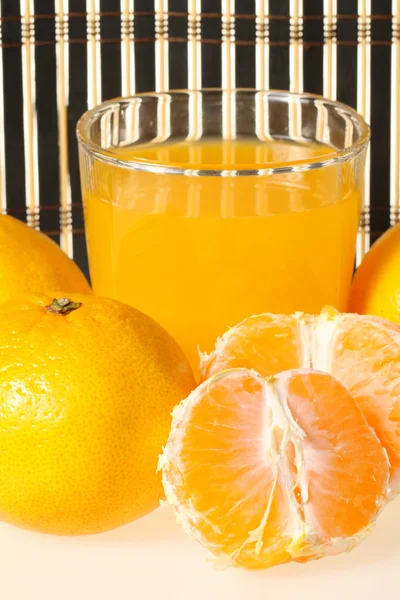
(219, 471)
(260, 472)
(267, 343)
(345, 466)
(365, 357)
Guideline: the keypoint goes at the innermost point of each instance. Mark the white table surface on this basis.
(152, 559)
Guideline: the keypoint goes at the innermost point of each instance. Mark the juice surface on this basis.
(198, 254)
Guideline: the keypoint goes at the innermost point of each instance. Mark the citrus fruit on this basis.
(266, 470)
(362, 352)
(87, 386)
(376, 285)
(30, 262)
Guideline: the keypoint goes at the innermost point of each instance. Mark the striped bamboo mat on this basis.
(60, 57)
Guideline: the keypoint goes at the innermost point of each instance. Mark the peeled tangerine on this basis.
(290, 446)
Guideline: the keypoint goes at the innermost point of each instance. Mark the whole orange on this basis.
(376, 285)
(87, 386)
(30, 262)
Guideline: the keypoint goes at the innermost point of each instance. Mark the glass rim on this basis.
(110, 156)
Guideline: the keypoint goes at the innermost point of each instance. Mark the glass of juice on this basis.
(203, 208)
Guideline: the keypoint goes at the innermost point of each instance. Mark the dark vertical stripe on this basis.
(47, 122)
(347, 54)
(110, 27)
(245, 66)
(380, 141)
(178, 5)
(13, 112)
(279, 54)
(77, 106)
(381, 7)
(178, 76)
(348, 7)
(80, 253)
(178, 55)
(211, 52)
(380, 123)
(245, 54)
(145, 49)
(313, 55)
(80, 250)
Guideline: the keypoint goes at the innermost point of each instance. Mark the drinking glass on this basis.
(205, 207)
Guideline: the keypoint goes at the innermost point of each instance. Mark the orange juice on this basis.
(200, 253)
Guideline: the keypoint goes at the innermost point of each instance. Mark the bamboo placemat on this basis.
(60, 57)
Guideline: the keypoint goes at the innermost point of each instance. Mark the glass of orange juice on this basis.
(203, 208)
